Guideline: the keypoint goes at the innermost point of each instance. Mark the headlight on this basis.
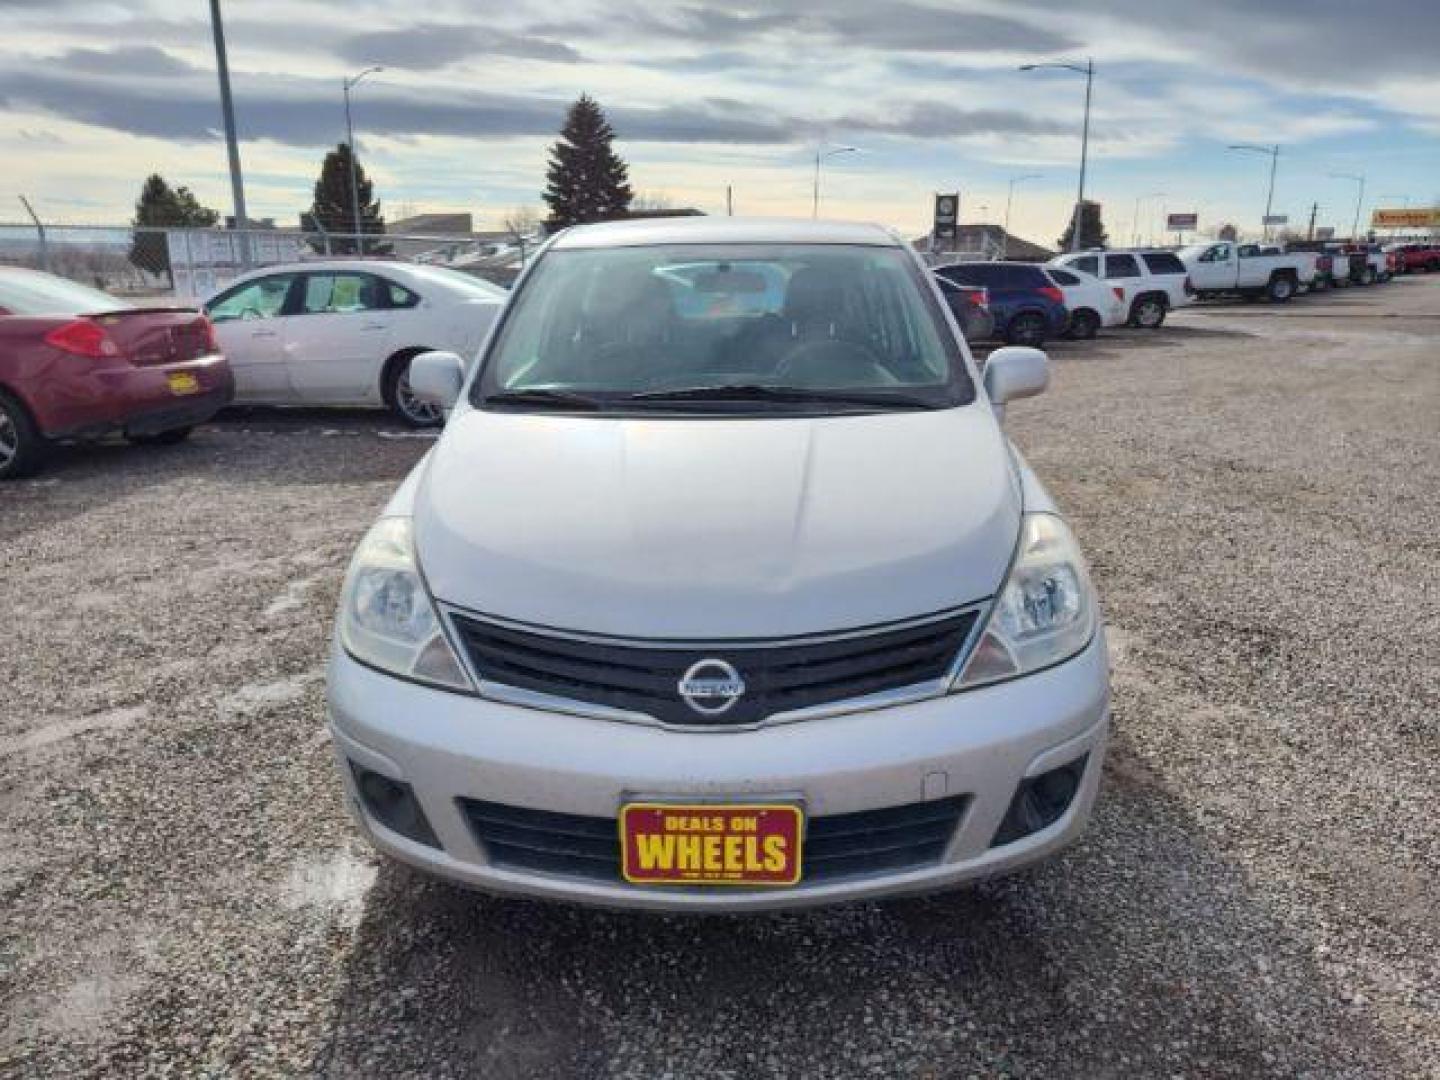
(1044, 614)
(387, 619)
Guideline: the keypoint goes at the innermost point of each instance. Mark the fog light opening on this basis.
(393, 804)
(1040, 801)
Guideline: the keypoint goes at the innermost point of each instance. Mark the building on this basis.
(987, 242)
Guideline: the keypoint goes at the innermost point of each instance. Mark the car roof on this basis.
(644, 232)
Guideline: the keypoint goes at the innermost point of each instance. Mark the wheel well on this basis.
(1152, 295)
(1084, 310)
(394, 361)
(1282, 272)
(19, 399)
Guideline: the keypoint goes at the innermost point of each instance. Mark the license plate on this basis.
(182, 382)
(711, 844)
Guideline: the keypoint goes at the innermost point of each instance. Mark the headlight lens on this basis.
(1045, 613)
(387, 619)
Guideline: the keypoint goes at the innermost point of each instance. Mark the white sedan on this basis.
(343, 332)
(1092, 303)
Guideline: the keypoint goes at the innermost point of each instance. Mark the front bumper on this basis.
(980, 744)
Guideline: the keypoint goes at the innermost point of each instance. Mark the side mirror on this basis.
(1015, 372)
(437, 377)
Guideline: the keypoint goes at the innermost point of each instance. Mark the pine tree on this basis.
(331, 210)
(1092, 230)
(162, 207)
(586, 180)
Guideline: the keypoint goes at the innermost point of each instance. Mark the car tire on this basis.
(1027, 328)
(395, 389)
(1281, 289)
(173, 437)
(22, 447)
(1433, 266)
(1084, 325)
(1148, 312)
(1367, 276)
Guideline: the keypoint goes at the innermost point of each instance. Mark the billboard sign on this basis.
(1424, 217)
(1325, 232)
(947, 216)
(1181, 222)
(1277, 219)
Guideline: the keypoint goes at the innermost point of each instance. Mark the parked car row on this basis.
(1074, 295)
(77, 363)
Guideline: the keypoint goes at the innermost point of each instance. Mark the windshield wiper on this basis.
(540, 397)
(783, 394)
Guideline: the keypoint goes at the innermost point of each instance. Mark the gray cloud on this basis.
(126, 60)
(934, 120)
(896, 25)
(434, 45)
(1305, 40)
(305, 112)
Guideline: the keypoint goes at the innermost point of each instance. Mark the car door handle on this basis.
(264, 333)
(375, 326)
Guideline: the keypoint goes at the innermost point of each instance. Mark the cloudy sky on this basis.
(93, 96)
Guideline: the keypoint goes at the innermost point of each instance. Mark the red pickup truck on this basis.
(1413, 257)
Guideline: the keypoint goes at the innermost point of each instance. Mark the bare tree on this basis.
(521, 222)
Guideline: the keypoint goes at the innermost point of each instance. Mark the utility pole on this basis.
(729, 201)
(354, 169)
(820, 154)
(1314, 209)
(232, 144)
(1089, 72)
(1274, 152)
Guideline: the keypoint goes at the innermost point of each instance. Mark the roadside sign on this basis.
(1424, 217)
(1181, 222)
(1277, 219)
(947, 215)
(1325, 232)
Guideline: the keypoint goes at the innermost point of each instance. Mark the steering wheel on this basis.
(829, 363)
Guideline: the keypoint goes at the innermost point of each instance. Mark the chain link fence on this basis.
(190, 264)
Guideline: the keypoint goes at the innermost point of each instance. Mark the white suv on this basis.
(1155, 282)
(722, 589)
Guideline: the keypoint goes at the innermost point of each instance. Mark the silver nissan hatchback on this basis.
(722, 589)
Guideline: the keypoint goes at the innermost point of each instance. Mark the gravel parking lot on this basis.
(1258, 488)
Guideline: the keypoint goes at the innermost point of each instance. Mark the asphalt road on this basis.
(1258, 488)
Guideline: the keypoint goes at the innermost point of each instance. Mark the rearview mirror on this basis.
(1013, 372)
(437, 377)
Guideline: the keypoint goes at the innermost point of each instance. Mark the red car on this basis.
(1412, 257)
(76, 363)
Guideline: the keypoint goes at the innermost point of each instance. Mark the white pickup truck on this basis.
(1226, 269)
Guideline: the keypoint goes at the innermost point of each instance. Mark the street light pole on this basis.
(1089, 72)
(820, 154)
(232, 144)
(354, 170)
(1274, 152)
(1010, 198)
(1359, 198)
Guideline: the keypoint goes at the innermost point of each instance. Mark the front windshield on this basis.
(844, 325)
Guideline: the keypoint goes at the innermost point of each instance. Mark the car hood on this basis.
(711, 528)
